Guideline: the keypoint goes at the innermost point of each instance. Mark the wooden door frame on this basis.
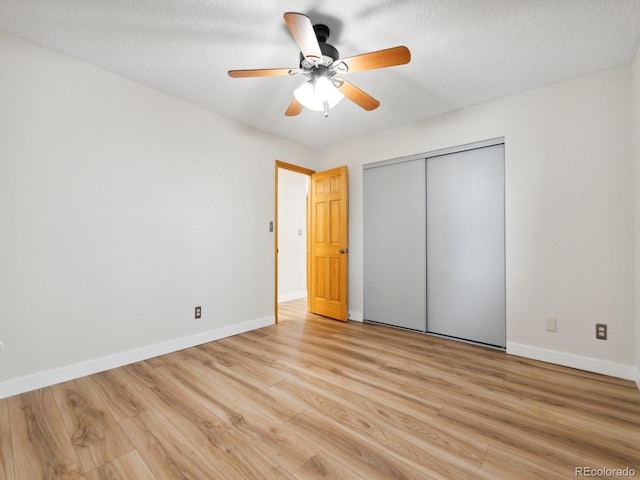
(304, 171)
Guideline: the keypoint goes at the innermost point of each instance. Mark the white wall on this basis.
(292, 246)
(121, 209)
(569, 231)
(635, 126)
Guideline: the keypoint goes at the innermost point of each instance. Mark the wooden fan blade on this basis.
(265, 72)
(295, 107)
(357, 96)
(302, 31)
(380, 59)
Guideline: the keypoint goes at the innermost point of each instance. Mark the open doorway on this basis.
(291, 280)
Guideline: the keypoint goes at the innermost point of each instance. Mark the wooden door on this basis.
(328, 215)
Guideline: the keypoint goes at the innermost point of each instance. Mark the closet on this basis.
(434, 251)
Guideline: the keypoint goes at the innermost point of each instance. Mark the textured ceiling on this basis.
(463, 52)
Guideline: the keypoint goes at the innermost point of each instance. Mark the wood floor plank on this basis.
(528, 417)
(521, 402)
(167, 452)
(6, 447)
(322, 466)
(369, 461)
(460, 460)
(224, 378)
(393, 414)
(129, 466)
(119, 394)
(233, 456)
(318, 355)
(507, 465)
(510, 440)
(40, 448)
(476, 369)
(622, 406)
(254, 369)
(355, 357)
(287, 449)
(248, 347)
(262, 348)
(363, 384)
(558, 408)
(561, 454)
(95, 434)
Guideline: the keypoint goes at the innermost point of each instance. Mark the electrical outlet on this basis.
(550, 324)
(601, 331)
(198, 312)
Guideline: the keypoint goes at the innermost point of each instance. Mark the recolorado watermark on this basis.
(605, 472)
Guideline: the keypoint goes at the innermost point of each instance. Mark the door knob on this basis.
(344, 250)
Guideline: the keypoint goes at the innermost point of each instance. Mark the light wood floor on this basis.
(316, 398)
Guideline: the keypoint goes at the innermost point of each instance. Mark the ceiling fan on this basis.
(322, 65)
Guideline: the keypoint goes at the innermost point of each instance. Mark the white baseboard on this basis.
(356, 316)
(636, 375)
(291, 296)
(588, 364)
(51, 377)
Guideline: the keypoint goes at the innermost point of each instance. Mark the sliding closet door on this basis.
(465, 245)
(394, 244)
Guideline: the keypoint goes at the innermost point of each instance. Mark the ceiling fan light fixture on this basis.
(318, 94)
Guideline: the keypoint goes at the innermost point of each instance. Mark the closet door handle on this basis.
(344, 250)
